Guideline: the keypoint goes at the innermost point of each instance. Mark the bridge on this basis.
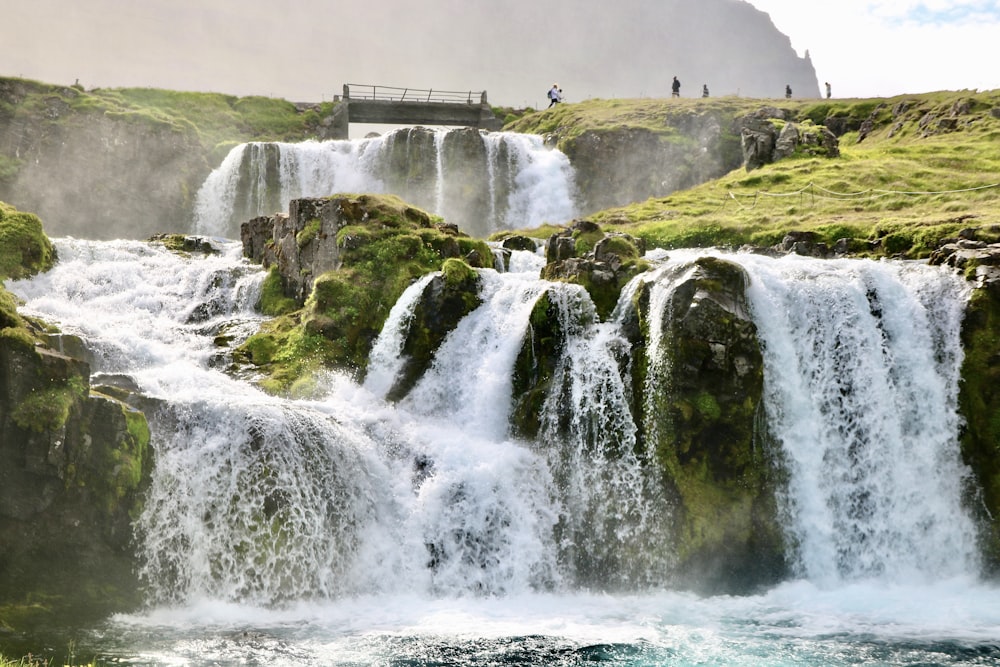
(363, 103)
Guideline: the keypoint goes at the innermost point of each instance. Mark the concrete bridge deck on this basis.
(410, 106)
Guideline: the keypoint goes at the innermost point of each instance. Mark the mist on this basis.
(306, 50)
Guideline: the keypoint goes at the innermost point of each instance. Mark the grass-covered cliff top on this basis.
(220, 121)
(927, 166)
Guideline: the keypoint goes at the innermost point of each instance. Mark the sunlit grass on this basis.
(926, 167)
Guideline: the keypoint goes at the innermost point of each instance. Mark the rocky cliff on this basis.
(125, 163)
(73, 462)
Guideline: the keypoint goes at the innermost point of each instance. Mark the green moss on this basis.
(456, 272)
(308, 232)
(621, 246)
(273, 301)
(259, 349)
(48, 409)
(585, 241)
(24, 248)
(707, 406)
(18, 336)
(979, 402)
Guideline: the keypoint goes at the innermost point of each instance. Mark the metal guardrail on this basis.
(355, 91)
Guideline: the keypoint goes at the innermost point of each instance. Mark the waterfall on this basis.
(483, 182)
(386, 361)
(862, 362)
(267, 500)
(616, 533)
(475, 388)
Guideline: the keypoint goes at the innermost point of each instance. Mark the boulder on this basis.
(602, 263)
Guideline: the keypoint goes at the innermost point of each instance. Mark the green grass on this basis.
(219, 120)
(929, 167)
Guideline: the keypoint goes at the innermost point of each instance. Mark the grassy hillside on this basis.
(220, 121)
(913, 170)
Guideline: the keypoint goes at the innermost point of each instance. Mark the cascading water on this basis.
(458, 174)
(862, 367)
(346, 530)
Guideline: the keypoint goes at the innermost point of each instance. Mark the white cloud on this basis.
(875, 48)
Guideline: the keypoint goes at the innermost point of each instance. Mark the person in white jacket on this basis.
(555, 94)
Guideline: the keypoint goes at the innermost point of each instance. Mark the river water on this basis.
(346, 530)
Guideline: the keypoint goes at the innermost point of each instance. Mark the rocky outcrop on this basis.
(73, 463)
(979, 390)
(619, 166)
(705, 429)
(769, 134)
(342, 261)
(602, 263)
(318, 234)
(446, 299)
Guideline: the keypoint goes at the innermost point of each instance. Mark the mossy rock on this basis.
(535, 367)
(979, 403)
(705, 429)
(24, 248)
(445, 301)
(382, 245)
(185, 244)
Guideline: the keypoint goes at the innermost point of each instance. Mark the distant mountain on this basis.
(305, 51)
(633, 48)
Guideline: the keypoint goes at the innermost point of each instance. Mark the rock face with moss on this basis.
(445, 300)
(979, 391)
(125, 163)
(73, 463)
(602, 263)
(700, 413)
(768, 135)
(338, 264)
(704, 425)
(616, 166)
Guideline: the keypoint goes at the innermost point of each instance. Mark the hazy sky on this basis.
(880, 48)
(304, 50)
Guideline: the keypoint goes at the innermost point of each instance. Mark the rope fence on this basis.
(819, 192)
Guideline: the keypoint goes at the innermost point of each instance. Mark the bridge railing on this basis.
(355, 91)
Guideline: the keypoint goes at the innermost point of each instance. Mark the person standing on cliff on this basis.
(675, 88)
(555, 95)
(704, 90)
(827, 90)
(788, 92)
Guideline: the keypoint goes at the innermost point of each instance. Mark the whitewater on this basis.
(347, 530)
(506, 180)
